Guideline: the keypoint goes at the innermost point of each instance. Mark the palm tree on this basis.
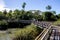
(23, 6)
(48, 7)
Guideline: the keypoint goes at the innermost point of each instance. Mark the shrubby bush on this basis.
(28, 33)
(57, 22)
(3, 25)
(49, 16)
(3, 22)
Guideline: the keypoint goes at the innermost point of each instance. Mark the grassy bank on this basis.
(28, 33)
(57, 23)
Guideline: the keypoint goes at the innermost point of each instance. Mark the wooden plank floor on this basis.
(55, 35)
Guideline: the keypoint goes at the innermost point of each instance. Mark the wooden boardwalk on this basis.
(55, 35)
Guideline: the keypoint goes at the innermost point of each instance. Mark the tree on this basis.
(10, 11)
(1, 15)
(48, 7)
(54, 12)
(37, 12)
(5, 12)
(37, 15)
(49, 16)
(16, 13)
(29, 15)
(23, 6)
(39, 18)
(53, 18)
(26, 15)
(58, 16)
(9, 15)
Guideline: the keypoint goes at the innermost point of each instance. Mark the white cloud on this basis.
(3, 6)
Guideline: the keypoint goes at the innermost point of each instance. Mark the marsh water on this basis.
(4, 36)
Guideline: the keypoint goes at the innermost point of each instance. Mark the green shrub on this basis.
(57, 22)
(28, 33)
(3, 22)
(3, 25)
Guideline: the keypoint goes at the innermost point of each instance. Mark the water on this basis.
(5, 37)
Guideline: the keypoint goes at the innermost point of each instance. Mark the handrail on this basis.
(45, 33)
(42, 35)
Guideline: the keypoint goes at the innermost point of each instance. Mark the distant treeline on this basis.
(27, 15)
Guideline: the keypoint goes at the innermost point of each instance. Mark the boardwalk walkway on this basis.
(55, 35)
(55, 32)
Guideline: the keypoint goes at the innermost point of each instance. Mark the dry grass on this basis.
(28, 33)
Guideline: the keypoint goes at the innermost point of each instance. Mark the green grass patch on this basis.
(57, 22)
(28, 33)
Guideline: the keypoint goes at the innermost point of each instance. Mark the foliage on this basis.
(57, 22)
(1, 15)
(28, 15)
(48, 16)
(3, 22)
(28, 33)
(58, 16)
(23, 6)
(4, 12)
(54, 12)
(48, 7)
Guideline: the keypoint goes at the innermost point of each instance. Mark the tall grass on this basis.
(28, 33)
(57, 22)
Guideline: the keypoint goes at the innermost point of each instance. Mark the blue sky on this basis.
(30, 4)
